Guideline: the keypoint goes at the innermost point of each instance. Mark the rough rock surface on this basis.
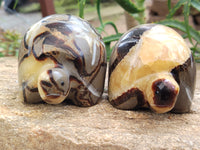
(43, 126)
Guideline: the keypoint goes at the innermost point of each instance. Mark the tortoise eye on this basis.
(62, 83)
(164, 92)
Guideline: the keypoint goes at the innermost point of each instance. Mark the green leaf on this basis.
(15, 4)
(1, 54)
(197, 57)
(130, 7)
(4, 45)
(186, 13)
(181, 26)
(112, 24)
(140, 17)
(112, 38)
(99, 13)
(102, 26)
(108, 50)
(195, 49)
(196, 4)
(107, 40)
(169, 4)
(140, 3)
(185, 36)
(99, 29)
(81, 5)
(175, 8)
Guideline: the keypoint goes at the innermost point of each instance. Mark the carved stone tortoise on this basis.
(62, 57)
(152, 66)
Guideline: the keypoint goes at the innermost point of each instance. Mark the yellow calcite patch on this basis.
(163, 44)
(30, 69)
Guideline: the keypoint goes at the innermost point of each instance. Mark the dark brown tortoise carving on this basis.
(62, 57)
(151, 66)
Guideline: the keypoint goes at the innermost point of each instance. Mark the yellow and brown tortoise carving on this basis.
(62, 57)
(151, 65)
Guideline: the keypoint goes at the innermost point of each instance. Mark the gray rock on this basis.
(43, 126)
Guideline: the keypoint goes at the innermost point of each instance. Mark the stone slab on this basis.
(43, 126)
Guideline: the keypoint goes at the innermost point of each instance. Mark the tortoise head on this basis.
(53, 85)
(162, 92)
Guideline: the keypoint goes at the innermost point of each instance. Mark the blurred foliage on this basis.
(65, 6)
(9, 43)
(137, 8)
(61, 6)
(189, 32)
(74, 2)
(33, 7)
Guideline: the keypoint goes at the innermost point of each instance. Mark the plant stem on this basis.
(81, 5)
(186, 12)
(15, 5)
(169, 4)
(99, 13)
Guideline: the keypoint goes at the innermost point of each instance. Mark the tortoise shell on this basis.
(62, 57)
(152, 66)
